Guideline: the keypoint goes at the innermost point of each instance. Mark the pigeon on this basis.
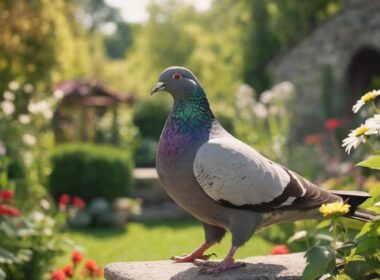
(223, 182)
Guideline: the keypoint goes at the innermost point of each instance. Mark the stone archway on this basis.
(363, 74)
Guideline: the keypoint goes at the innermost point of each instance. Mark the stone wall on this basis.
(328, 51)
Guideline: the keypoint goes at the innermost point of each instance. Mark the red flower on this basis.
(57, 275)
(332, 124)
(91, 265)
(78, 202)
(68, 270)
(76, 257)
(63, 201)
(7, 210)
(6, 195)
(313, 139)
(92, 269)
(280, 250)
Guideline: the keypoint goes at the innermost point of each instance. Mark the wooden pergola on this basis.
(84, 104)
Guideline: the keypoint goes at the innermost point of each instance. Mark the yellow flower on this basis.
(337, 208)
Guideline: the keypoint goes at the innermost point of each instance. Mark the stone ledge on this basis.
(284, 267)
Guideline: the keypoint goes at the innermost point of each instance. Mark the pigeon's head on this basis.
(178, 81)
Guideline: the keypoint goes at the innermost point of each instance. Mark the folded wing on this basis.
(234, 174)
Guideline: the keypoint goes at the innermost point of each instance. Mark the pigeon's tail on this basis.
(354, 199)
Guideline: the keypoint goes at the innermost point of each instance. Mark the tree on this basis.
(275, 24)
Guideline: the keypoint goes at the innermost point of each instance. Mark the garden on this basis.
(79, 129)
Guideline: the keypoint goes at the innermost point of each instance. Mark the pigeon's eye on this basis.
(177, 76)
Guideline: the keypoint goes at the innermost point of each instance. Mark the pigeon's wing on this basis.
(236, 175)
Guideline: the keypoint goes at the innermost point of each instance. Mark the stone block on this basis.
(284, 267)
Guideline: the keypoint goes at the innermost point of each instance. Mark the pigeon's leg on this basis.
(226, 264)
(213, 234)
(196, 254)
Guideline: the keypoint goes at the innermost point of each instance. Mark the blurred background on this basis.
(79, 130)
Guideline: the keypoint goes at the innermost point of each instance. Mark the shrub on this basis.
(150, 116)
(145, 154)
(90, 171)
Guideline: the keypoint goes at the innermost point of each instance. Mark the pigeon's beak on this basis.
(159, 87)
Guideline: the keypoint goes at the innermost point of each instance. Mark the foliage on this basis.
(29, 241)
(199, 45)
(90, 171)
(358, 258)
(145, 155)
(40, 41)
(24, 131)
(150, 116)
(273, 25)
(89, 270)
(265, 123)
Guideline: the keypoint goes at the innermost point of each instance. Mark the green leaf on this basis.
(2, 274)
(320, 261)
(297, 236)
(365, 230)
(346, 248)
(372, 162)
(357, 269)
(367, 245)
(6, 256)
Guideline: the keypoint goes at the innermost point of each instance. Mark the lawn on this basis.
(154, 241)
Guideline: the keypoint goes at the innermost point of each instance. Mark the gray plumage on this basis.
(220, 180)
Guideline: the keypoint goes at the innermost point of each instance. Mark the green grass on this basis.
(154, 241)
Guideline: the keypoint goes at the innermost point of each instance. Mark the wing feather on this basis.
(227, 169)
(236, 175)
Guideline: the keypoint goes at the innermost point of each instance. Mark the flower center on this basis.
(360, 131)
(369, 96)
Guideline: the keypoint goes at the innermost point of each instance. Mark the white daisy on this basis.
(374, 123)
(357, 136)
(28, 88)
(29, 139)
(7, 107)
(8, 95)
(24, 119)
(366, 98)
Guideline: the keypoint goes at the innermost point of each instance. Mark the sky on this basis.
(135, 11)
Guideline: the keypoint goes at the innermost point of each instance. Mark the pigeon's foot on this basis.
(215, 267)
(197, 254)
(191, 257)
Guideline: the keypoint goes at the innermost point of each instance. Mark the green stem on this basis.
(333, 223)
(375, 107)
(372, 147)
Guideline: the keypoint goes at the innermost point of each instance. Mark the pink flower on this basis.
(332, 124)
(280, 250)
(6, 195)
(78, 202)
(57, 275)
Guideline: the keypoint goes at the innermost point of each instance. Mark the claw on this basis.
(191, 257)
(215, 268)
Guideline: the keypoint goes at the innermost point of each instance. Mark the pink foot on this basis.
(191, 257)
(221, 266)
(197, 254)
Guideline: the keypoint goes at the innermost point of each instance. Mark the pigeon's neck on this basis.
(193, 112)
